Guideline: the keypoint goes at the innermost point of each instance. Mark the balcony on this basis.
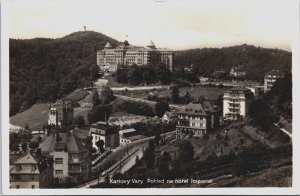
(75, 171)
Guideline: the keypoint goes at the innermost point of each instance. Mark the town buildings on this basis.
(169, 117)
(31, 171)
(71, 161)
(237, 72)
(60, 114)
(102, 131)
(110, 58)
(270, 78)
(236, 103)
(196, 119)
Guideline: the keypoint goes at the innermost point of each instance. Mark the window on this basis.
(58, 172)
(18, 186)
(58, 161)
(96, 137)
(201, 124)
(32, 186)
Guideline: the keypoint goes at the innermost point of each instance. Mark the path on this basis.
(146, 101)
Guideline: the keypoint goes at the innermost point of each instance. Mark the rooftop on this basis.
(197, 108)
(68, 141)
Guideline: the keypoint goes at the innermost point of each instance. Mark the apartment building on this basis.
(196, 119)
(236, 103)
(270, 79)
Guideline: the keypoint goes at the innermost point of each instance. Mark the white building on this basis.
(197, 119)
(102, 131)
(70, 156)
(31, 172)
(237, 72)
(270, 78)
(110, 58)
(60, 114)
(236, 103)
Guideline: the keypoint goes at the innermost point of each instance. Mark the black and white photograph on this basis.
(168, 95)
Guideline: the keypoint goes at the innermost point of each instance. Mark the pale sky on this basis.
(175, 24)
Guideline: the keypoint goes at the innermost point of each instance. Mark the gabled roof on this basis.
(151, 44)
(108, 45)
(202, 109)
(68, 141)
(27, 159)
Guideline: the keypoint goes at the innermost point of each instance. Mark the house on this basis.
(270, 79)
(196, 119)
(70, 157)
(169, 117)
(31, 171)
(237, 72)
(102, 131)
(236, 103)
(60, 114)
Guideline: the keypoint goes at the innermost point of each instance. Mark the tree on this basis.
(161, 107)
(175, 94)
(78, 121)
(100, 145)
(24, 146)
(39, 139)
(186, 151)
(99, 113)
(33, 145)
(187, 97)
(157, 137)
(107, 95)
(95, 97)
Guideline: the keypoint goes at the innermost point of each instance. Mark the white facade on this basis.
(127, 54)
(236, 103)
(270, 78)
(109, 136)
(60, 164)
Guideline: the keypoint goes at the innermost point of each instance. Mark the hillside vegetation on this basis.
(255, 60)
(43, 69)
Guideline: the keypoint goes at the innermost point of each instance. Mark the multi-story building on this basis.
(60, 114)
(70, 157)
(110, 58)
(102, 131)
(270, 78)
(31, 171)
(197, 119)
(236, 103)
(237, 72)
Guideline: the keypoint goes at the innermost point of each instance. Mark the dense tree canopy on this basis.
(255, 60)
(45, 69)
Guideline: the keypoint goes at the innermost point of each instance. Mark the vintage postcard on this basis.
(149, 97)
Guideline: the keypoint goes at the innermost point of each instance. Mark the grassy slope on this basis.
(35, 116)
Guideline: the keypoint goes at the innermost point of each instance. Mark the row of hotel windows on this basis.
(197, 125)
(192, 117)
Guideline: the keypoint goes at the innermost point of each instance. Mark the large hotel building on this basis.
(109, 58)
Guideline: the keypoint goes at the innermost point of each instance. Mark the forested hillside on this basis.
(44, 69)
(255, 60)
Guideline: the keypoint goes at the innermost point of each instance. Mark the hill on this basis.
(35, 117)
(255, 60)
(43, 69)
